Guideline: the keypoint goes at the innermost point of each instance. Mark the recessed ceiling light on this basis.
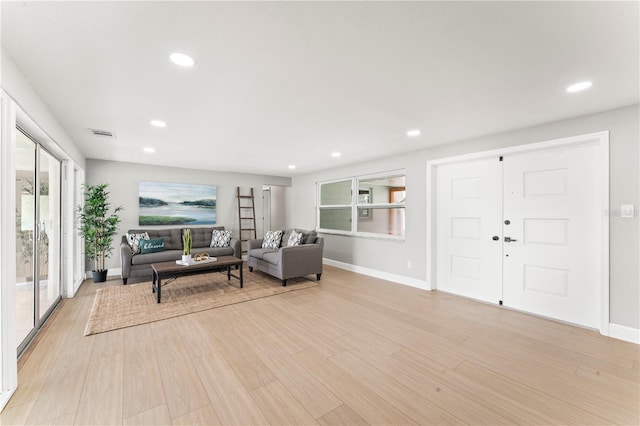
(413, 133)
(291, 166)
(182, 59)
(149, 150)
(158, 123)
(336, 154)
(583, 85)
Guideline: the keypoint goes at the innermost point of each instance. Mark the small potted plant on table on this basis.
(98, 228)
(186, 246)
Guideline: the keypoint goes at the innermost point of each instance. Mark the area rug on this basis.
(133, 304)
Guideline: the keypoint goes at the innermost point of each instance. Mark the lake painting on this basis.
(176, 204)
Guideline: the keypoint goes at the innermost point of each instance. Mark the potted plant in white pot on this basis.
(186, 245)
(98, 228)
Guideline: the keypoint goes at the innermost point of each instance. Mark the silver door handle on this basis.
(509, 240)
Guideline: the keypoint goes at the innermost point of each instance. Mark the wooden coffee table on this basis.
(165, 270)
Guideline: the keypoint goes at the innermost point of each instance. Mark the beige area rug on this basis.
(133, 304)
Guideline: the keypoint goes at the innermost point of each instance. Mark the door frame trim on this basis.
(601, 139)
(8, 353)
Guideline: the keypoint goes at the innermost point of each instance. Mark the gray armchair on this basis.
(288, 262)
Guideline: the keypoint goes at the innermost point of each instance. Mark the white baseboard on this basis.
(76, 287)
(400, 279)
(5, 396)
(625, 333)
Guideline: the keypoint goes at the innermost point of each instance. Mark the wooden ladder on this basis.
(246, 218)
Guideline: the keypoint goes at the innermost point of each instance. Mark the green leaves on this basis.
(186, 242)
(97, 226)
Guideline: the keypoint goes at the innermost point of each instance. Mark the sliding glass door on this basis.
(38, 213)
(25, 156)
(48, 233)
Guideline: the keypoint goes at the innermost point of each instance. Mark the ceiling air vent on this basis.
(103, 133)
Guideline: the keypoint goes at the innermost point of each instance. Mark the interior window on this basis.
(335, 210)
(376, 209)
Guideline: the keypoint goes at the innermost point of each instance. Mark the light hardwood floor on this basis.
(354, 350)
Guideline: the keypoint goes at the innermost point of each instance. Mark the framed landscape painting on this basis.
(176, 204)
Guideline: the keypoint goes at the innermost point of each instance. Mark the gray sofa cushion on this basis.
(172, 237)
(170, 255)
(308, 237)
(271, 257)
(161, 256)
(260, 252)
(201, 237)
(214, 251)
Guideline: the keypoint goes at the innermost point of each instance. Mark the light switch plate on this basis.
(627, 210)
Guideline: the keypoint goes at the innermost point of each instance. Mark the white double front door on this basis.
(523, 230)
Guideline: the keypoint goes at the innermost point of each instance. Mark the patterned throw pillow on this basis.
(272, 239)
(134, 241)
(220, 238)
(294, 239)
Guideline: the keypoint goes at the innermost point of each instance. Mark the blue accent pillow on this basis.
(151, 246)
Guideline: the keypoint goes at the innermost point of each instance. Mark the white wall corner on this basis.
(400, 279)
(76, 287)
(625, 333)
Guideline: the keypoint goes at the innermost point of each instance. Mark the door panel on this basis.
(468, 213)
(551, 200)
(49, 232)
(25, 154)
(38, 219)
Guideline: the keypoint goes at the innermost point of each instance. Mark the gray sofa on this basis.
(139, 265)
(288, 262)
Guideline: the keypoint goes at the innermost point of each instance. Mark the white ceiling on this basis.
(279, 83)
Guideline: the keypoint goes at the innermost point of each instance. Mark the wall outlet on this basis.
(409, 264)
(627, 210)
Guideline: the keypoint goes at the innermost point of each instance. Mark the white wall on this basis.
(123, 181)
(278, 205)
(392, 256)
(19, 89)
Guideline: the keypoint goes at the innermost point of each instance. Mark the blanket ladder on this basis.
(246, 218)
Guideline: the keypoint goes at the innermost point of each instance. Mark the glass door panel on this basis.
(38, 230)
(48, 232)
(25, 156)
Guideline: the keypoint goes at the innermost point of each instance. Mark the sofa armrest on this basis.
(126, 254)
(237, 247)
(300, 260)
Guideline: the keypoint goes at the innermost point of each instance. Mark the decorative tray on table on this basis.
(198, 258)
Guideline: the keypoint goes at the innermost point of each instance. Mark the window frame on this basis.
(356, 205)
(320, 206)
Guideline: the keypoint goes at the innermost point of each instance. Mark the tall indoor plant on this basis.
(97, 227)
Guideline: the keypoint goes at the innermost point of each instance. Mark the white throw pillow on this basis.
(294, 239)
(272, 239)
(220, 238)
